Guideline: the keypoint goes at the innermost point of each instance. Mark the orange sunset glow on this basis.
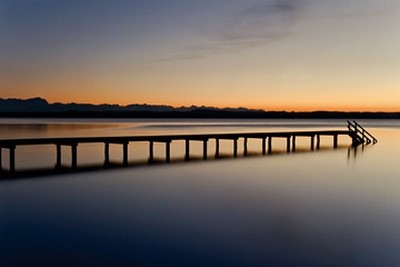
(272, 55)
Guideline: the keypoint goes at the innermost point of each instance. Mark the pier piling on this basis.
(235, 148)
(125, 154)
(205, 149)
(151, 151)
(217, 148)
(294, 143)
(168, 151)
(270, 145)
(312, 142)
(187, 149)
(245, 147)
(12, 158)
(74, 156)
(288, 144)
(106, 154)
(335, 141)
(263, 145)
(358, 135)
(58, 155)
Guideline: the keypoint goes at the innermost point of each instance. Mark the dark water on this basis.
(324, 208)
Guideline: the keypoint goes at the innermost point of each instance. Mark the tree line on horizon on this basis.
(39, 107)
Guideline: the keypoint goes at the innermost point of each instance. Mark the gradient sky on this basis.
(269, 54)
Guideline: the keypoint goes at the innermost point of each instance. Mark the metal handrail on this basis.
(355, 126)
(366, 132)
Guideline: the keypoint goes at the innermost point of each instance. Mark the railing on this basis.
(361, 133)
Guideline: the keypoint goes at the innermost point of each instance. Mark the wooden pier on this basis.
(357, 134)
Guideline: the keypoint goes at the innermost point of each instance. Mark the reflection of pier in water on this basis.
(357, 134)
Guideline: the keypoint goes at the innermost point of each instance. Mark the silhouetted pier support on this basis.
(312, 143)
(205, 149)
(58, 156)
(235, 147)
(335, 141)
(263, 144)
(74, 154)
(288, 144)
(217, 148)
(12, 158)
(294, 143)
(151, 151)
(11, 150)
(358, 135)
(245, 147)
(106, 154)
(187, 149)
(205, 141)
(125, 154)
(168, 151)
(270, 145)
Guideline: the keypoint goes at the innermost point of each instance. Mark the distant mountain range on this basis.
(39, 107)
(38, 104)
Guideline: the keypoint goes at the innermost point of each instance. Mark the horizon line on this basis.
(205, 107)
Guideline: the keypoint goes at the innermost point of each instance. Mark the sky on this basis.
(293, 55)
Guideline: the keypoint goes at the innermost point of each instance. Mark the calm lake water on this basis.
(322, 208)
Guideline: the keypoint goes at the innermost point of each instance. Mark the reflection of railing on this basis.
(359, 134)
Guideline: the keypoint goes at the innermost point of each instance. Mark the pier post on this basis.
(288, 144)
(187, 149)
(263, 145)
(235, 147)
(245, 146)
(1, 159)
(168, 151)
(335, 141)
(294, 143)
(12, 159)
(270, 145)
(205, 149)
(318, 141)
(125, 154)
(106, 154)
(74, 156)
(58, 155)
(216, 148)
(151, 152)
(312, 142)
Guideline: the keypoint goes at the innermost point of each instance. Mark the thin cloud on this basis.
(252, 26)
(263, 21)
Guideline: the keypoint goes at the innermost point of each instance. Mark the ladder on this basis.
(359, 135)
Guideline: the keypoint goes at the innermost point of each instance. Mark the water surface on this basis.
(323, 208)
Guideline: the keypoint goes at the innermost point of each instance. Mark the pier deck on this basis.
(358, 135)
